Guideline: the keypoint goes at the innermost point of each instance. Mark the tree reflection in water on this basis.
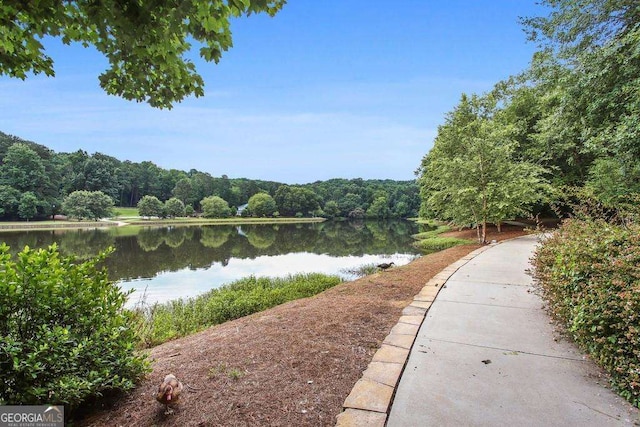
(173, 262)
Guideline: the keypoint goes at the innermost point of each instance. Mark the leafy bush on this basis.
(64, 335)
(589, 271)
(163, 322)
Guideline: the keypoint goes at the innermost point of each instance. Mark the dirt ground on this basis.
(292, 365)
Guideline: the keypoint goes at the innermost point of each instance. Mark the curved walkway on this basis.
(485, 354)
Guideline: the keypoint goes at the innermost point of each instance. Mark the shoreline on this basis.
(115, 222)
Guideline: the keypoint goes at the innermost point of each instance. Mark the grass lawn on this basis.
(119, 212)
(431, 241)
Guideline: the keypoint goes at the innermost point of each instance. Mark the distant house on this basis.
(241, 208)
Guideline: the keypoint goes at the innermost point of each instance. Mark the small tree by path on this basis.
(470, 175)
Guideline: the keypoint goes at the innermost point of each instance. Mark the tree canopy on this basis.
(576, 26)
(574, 115)
(147, 42)
(589, 71)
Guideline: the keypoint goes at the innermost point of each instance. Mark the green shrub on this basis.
(163, 322)
(64, 336)
(589, 271)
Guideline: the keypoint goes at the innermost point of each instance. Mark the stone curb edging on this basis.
(370, 399)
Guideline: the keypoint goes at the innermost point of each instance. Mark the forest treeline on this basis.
(35, 181)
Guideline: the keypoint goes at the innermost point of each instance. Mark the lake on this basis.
(164, 263)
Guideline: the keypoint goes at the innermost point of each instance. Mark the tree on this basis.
(294, 200)
(83, 204)
(168, 180)
(349, 203)
(183, 191)
(28, 206)
(331, 209)
(262, 204)
(379, 208)
(146, 42)
(202, 185)
(9, 200)
(100, 205)
(589, 65)
(222, 188)
(215, 207)
(150, 206)
(23, 169)
(546, 128)
(147, 177)
(576, 26)
(470, 176)
(73, 165)
(607, 181)
(174, 207)
(100, 174)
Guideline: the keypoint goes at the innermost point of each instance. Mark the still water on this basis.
(161, 264)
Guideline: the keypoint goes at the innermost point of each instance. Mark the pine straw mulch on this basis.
(292, 365)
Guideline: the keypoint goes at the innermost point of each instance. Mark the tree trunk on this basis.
(499, 226)
(484, 218)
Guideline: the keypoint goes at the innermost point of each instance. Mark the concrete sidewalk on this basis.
(487, 355)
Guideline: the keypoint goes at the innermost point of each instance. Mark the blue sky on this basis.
(325, 89)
